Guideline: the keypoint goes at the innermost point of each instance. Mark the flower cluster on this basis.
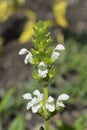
(36, 103)
(42, 67)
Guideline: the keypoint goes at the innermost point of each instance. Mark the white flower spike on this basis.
(60, 100)
(28, 57)
(42, 70)
(50, 104)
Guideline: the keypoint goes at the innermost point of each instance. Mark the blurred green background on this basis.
(67, 22)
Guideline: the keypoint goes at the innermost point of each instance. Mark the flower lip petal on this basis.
(23, 51)
(28, 58)
(42, 74)
(60, 104)
(27, 96)
(50, 104)
(29, 105)
(50, 99)
(36, 108)
(63, 97)
(36, 92)
(50, 107)
(59, 47)
(55, 55)
(41, 64)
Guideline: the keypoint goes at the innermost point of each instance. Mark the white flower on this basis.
(42, 70)
(35, 102)
(28, 57)
(60, 100)
(59, 47)
(23, 51)
(27, 96)
(55, 53)
(50, 104)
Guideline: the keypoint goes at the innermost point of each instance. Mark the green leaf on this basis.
(17, 123)
(63, 126)
(6, 101)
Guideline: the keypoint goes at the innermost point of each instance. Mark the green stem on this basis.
(47, 125)
(45, 91)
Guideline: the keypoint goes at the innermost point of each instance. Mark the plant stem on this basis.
(45, 91)
(47, 125)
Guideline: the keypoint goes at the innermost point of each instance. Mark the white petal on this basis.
(60, 104)
(63, 97)
(28, 58)
(59, 47)
(23, 51)
(50, 107)
(35, 101)
(41, 64)
(36, 108)
(29, 105)
(50, 104)
(38, 94)
(42, 74)
(55, 55)
(27, 96)
(50, 99)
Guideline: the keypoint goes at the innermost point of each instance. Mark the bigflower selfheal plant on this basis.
(43, 58)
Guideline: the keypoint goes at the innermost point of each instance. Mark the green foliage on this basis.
(63, 126)
(17, 123)
(7, 101)
(71, 72)
(79, 124)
